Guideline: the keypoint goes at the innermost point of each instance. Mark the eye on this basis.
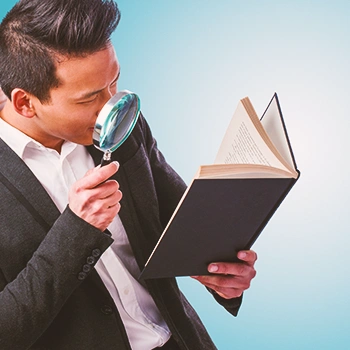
(88, 101)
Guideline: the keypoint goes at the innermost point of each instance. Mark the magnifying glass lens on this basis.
(116, 121)
(119, 122)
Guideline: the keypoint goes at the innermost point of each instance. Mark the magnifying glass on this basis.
(115, 123)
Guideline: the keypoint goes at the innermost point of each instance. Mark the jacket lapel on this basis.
(24, 183)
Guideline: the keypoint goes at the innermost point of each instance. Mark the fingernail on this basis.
(242, 255)
(116, 163)
(213, 268)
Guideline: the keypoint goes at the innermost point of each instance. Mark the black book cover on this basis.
(217, 218)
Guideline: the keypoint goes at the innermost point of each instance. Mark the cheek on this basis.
(82, 117)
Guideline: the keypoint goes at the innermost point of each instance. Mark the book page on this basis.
(242, 143)
(235, 171)
(273, 125)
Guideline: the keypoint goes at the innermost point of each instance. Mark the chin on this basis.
(85, 141)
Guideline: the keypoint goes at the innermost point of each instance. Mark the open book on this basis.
(228, 203)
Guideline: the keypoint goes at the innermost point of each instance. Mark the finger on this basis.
(219, 281)
(99, 193)
(98, 175)
(100, 210)
(249, 256)
(106, 189)
(90, 171)
(237, 269)
(114, 209)
(113, 199)
(226, 289)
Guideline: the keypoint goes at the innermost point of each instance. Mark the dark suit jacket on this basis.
(51, 297)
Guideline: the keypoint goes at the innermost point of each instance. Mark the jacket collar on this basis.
(16, 172)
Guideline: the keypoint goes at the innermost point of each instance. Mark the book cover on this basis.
(222, 214)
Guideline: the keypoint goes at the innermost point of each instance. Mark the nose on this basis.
(104, 98)
(107, 94)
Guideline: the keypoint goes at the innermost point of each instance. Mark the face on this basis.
(86, 85)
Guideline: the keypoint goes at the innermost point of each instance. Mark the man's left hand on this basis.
(230, 280)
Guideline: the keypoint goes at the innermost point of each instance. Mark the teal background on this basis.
(191, 61)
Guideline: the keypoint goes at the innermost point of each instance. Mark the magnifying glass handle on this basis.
(107, 158)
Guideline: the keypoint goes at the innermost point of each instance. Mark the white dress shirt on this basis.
(117, 267)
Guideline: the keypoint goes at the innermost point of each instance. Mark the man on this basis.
(72, 244)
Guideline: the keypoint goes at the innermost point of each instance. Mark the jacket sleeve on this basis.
(30, 301)
(170, 188)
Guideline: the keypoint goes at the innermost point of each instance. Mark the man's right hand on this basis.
(96, 199)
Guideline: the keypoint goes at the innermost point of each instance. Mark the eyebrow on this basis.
(92, 93)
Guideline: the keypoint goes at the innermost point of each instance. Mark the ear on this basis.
(22, 103)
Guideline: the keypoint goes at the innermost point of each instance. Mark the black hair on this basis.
(35, 33)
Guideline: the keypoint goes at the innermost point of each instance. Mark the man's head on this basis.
(37, 34)
(58, 67)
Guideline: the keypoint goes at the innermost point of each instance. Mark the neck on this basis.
(25, 125)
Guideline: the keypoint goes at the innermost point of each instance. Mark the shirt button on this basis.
(90, 260)
(81, 276)
(107, 310)
(87, 268)
(96, 253)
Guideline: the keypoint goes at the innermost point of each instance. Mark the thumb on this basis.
(90, 171)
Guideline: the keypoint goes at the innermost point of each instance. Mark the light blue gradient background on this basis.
(191, 61)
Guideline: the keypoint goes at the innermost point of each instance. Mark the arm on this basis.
(31, 301)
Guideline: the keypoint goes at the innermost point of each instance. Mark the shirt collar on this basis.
(19, 141)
